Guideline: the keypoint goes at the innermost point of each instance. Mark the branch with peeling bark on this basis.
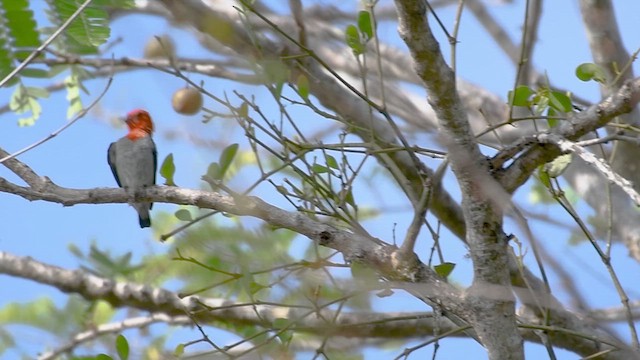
(403, 272)
(578, 125)
(494, 318)
(167, 307)
(185, 310)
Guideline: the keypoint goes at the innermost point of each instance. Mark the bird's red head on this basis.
(139, 123)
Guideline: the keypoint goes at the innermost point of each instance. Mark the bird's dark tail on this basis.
(144, 222)
(143, 214)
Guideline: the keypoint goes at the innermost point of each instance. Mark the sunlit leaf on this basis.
(544, 177)
(281, 323)
(364, 24)
(590, 71)
(102, 312)
(558, 165)
(303, 87)
(444, 269)
(331, 162)
(178, 351)
(36, 73)
(243, 110)
(560, 101)
(521, 96)
(352, 37)
(319, 169)
(226, 157)
(168, 169)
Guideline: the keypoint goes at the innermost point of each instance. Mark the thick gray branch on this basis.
(489, 296)
(212, 310)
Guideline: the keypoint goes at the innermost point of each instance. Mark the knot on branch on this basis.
(405, 265)
(325, 238)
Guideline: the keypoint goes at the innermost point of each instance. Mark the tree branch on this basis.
(579, 124)
(167, 306)
(494, 318)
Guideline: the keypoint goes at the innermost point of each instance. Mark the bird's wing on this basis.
(155, 160)
(154, 152)
(111, 159)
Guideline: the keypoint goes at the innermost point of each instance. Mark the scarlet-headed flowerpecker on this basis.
(133, 160)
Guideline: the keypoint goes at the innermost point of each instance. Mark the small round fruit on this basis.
(187, 101)
(159, 47)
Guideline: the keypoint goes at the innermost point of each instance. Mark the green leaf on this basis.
(36, 73)
(558, 165)
(72, 84)
(521, 96)
(178, 351)
(102, 312)
(37, 92)
(281, 323)
(552, 121)
(20, 26)
(364, 24)
(75, 250)
(275, 72)
(331, 162)
(88, 31)
(183, 215)
(278, 89)
(122, 346)
(541, 100)
(444, 269)
(285, 337)
(303, 87)
(544, 177)
(352, 37)
(349, 199)
(7, 57)
(23, 102)
(226, 157)
(103, 357)
(282, 190)
(214, 171)
(560, 101)
(243, 110)
(29, 313)
(91, 27)
(168, 169)
(254, 287)
(591, 71)
(319, 169)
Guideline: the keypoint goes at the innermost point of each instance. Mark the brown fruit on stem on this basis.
(159, 47)
(187, 101)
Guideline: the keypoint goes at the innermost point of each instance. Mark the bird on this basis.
(134, 160)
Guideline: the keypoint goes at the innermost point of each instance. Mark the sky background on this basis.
(77, 159)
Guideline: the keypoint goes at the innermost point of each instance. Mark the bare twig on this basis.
(79, 116)
(110, 328)
(571, 147)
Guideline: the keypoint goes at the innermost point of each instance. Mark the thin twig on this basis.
(44, 45)
(79, 116)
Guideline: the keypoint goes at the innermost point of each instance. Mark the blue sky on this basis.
(77, 158)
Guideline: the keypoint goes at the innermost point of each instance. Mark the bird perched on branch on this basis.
(133, 160)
